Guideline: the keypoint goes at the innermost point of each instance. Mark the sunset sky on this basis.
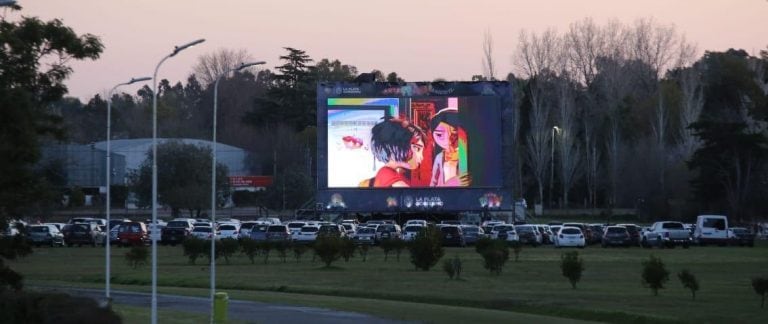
(420, 40)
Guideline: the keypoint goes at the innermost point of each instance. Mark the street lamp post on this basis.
(155, 233)
(552, 174)
(213, 173)
(109, 176)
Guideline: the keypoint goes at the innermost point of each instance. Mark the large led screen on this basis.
(417, 142)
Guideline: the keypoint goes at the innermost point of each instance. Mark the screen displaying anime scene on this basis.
(430, 142)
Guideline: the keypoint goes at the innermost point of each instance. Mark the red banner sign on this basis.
(250, 181)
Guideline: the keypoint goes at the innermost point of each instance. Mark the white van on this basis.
(711, 229)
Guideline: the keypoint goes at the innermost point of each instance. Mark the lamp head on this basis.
(180, 48)
(245, 65)
(134, 80)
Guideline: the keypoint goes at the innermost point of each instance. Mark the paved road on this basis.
(241, 310)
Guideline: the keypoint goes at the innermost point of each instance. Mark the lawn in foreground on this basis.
(610, 289)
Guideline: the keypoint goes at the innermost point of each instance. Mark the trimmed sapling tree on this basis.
(495, 255)
(654, 275)
(517, 247)
(452, 267)
(400, 245)
(226, 248)
(298, 251)
(426, 249)
(689, 281)
(282, 248)
(250, 248)
(328, 248)
(760, 285)
(387, 246)
(572, 266)
(363, 250)
(347, 248)
(137, 256)
(194, 248)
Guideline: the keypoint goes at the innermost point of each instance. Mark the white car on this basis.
(204, 233)
(307, 234)
(410, 231)
(419, 222)
(505, 232)
(229, 230)
(295, 228)
(570, 236)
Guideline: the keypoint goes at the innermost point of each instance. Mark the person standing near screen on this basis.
(448, 137)
(399, 145)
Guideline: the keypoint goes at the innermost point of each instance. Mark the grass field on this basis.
(610, 289)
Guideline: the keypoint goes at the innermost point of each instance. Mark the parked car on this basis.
(278, 233)
(295, 228)
(229, 230)
(742, 236)
(245, 228)
(349, 228)
(570, 236)
(597, 231)
(634, 233)
(176, 231)
(504, 232)
(472, 233)
(205, 233)
(419, 222)
(388, 231)
(616, 236)
(307, 234)
(365, 235)
(83, 233)
(113, 235)
(711, 229)
(132, 233)
(528, 234)
(453, 235)
(259, 232)
(667, 234)
(546, 233)
(410, 231)
(44, 235)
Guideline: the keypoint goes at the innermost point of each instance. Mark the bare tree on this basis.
(692, 102)
(536, 58)
(211, 65)
(489, 67)
(585, 44)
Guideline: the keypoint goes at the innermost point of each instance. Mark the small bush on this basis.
(34, 307)
(400, 245)
(226, 248)
(194, 248)
(655, 275)
(282, 248)
(495, 256)
(363, 250)
(264, 248)
(426, 249)
(572, 266)
(250, 248)
(328, 248)
(207, 249)
(761, 288)
(452, 267)
(387, 246)
(298, 251)
(689, 281)
(517, 247)
(347, 248)
(137, 256)
(482, 244)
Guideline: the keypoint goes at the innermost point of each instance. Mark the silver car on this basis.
(45, 234)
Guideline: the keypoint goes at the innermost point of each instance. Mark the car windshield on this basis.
(413, 228)
(309, 229)
(38, 229)
(276, 229)
(347, 226)
(296, 225)
(366, 230)
(717, 223)
(202, 229)
(616, 230)
(570, 231)
(247, 225)
(672, 225)
(449, 230)
(386, 228)
(177, 224)
(228, 228)
(470, 230)
(524, 229)
(740, 230)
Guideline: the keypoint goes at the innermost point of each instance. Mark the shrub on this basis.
(387, 246)
(347, 248)
(517, 247)
(689, 281)
(363, 250)
(426, 249)
(400, 245)
(34, 307)
(761, 288)
(482, 244)
(264, 248)
(452, 267)
(194, 248)
(328, 248)
(572, 266)
(298, 251)
(282, 248)
(226, 248)
(137, 256)
(654, 274)
(495, 255)
(250, 248)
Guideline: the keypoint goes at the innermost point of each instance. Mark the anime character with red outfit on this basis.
(399, 145)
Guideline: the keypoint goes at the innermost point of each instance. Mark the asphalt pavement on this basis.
(241, 310)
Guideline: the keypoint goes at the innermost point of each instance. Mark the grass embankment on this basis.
(609, 290)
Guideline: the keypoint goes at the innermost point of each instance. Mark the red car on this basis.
(132, 233)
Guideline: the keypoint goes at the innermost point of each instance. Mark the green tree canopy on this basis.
(183, 178)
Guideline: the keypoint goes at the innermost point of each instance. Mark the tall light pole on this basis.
(552, 174)
(213, 173)
(109, 176)
(155, 233)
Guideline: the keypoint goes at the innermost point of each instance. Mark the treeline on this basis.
(613, 115)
